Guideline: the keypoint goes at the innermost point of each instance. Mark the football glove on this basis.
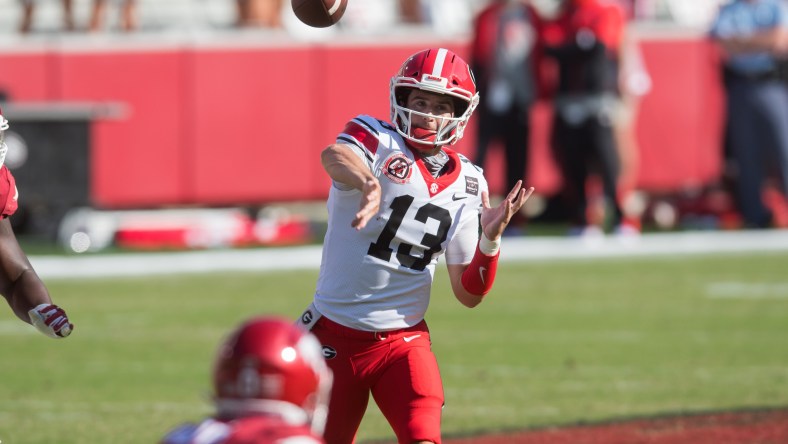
(51, 320)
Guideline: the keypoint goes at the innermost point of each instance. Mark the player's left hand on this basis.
(51, 320)
(495, 220)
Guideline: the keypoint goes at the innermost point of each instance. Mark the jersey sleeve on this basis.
(363, 135)
(8, 193)
(610, 28)
(207, 432)
(462, 246)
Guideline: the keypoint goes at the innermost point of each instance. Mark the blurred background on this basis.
(198, 123)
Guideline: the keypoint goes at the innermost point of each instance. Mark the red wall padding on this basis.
(245, 125)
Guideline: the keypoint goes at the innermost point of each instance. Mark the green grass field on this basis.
(556, 343)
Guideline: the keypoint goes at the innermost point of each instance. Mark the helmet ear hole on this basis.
(402, 95)
(460, 106)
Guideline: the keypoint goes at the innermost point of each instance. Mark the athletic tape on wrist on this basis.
(488, 247)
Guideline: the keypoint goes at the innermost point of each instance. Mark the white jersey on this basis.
(256, 429)
(379, 278)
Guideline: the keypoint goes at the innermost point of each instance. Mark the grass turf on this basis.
(555, 343)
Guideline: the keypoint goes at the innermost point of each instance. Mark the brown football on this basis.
(319, 13)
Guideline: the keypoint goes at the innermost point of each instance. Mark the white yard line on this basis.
(747, 290)
(308, 257)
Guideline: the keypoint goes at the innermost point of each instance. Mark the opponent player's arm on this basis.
(345, 167)
(23, 289)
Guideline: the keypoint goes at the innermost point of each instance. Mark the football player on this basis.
(19, 284)
(271, 385)
(400, 198)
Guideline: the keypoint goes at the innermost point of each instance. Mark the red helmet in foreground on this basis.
(269, 365)
(3, 128)
(438, 71)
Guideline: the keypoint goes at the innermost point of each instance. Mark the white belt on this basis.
(309, 317)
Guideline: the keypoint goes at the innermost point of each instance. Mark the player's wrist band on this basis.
(478, 278)
(489, 247)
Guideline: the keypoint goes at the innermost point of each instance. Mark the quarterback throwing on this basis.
(400, 199)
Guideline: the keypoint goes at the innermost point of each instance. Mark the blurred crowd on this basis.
(367, 16)
(581, 56)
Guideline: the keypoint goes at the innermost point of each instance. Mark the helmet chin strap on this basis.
(424, 134)
(426, 142)
(435, 159)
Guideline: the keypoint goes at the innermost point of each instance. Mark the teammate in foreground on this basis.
(271, 385)
(19, 284)
(400, 199)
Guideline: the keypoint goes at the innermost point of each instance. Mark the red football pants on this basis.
(398, 368)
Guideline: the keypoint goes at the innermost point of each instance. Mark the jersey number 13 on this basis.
(431, 243)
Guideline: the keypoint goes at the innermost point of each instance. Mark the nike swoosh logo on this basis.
(410, 338)
(456, 197)
(481, 273)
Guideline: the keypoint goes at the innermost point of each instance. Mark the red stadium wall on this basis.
(245, 124)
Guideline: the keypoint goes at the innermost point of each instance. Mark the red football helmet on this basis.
(439, 71)
(3, 147)
(269, 365)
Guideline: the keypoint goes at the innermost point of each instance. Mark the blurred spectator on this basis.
(259, 13)
(634, 82)
(696, 13)
(583, 40)
(371, 16)
(128, 16)
(503, 40)
(411, 11)
(28, 10)
(753, 35)
(449, 17)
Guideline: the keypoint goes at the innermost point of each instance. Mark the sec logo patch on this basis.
(398, 168)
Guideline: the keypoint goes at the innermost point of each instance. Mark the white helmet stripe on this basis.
(439, 59)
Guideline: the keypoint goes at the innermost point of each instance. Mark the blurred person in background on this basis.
(582, 40)
(259, 13)
(753, 35)
(400, 198)
(24, 291)
(411, 12)
(501, 59)
(634, 83)
(270, 385)
(28, 11)
(128, 15)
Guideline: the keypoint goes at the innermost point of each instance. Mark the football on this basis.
(319, 13)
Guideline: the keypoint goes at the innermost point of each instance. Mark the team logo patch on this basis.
(472, 185)
(307, 317)
(329, 352)
(398, 168)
